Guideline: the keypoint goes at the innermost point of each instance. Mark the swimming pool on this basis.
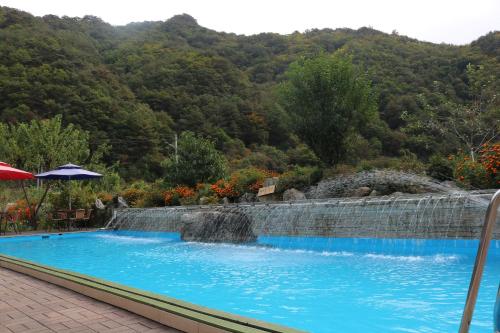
(315, 284)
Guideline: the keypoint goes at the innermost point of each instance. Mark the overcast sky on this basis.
(449, 21)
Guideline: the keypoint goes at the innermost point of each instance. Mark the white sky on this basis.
(449, 21)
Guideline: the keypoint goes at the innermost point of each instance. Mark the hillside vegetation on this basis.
(132, 87)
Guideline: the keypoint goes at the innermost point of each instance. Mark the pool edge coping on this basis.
(169, 311)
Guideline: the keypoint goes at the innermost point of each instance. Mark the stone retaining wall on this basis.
(437, 216)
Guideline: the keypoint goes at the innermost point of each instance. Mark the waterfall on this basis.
(431, 216)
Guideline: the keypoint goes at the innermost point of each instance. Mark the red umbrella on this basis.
(9, 173)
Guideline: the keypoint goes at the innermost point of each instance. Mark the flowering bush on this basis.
(19, 213)
(250, 179)
(133, 196)
(224, 188)
(176, 195)
(482, 173)
(105, 197)
(241, 181)
(490, 159)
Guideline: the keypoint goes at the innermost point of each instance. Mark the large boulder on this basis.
(98, 204)
(117, 203)
(362, 191)
(221, 226)
(247, 197)
(293, 195)
(384, 182)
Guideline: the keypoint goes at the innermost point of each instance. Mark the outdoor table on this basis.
(70, 213)
(63, 215)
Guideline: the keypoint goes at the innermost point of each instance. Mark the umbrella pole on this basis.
(25, 193)
(69, 188)
(41, 201)
(32, 217)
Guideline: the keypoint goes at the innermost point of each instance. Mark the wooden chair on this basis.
(59, 218)
(86, 218)
(79, 216)
(82, 217)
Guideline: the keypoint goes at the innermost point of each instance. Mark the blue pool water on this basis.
(315, 284)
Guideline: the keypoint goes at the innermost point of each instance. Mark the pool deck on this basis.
(29, 305)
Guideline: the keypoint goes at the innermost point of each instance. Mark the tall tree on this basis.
(197, 161)
(330, 99)
(44, 144)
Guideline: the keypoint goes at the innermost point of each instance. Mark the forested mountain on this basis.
(133, 86)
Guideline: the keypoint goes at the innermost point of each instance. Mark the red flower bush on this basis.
(483, 173)
(173, 196)
(224, 188)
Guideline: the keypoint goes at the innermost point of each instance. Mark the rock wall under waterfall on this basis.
(459, 215)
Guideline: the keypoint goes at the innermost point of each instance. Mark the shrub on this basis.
(174, 196)
(407, 162)
(299, 178)
(264, 157)
(105, 197)
(382, 162)
(240, 182)
(204, 190)
(339, 169)
(302, 155)
(224, 188)
(439, 168)
(211, 200)
(81, 196)
(249, 179)
(153, 198)
(483, 173)
(133, 196)
(188, 201)
(358, 147)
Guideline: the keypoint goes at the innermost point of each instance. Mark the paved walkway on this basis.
(29, 305)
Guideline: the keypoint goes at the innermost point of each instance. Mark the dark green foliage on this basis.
(132, 87)
(198, 162)
(264, 157)
(330, 100)
(440, 168)
(299, 178)
(302, 155)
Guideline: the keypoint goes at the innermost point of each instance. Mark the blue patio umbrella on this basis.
(68, 172)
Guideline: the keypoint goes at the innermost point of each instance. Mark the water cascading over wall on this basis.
(458, 215)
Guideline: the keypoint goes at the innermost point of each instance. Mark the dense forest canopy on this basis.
(132, 87)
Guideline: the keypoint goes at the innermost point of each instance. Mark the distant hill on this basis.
(132, 86)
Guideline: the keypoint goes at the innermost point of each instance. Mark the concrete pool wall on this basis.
(459, 215)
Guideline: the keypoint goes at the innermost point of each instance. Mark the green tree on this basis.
(41, 145)
(330, 99)
(198, 161)
(468, 125)
(45, 144)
